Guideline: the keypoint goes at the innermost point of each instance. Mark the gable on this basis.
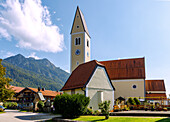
(80, 77)
(100, 79)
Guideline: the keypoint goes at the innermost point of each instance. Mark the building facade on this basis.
(92, 80)
(128, 77)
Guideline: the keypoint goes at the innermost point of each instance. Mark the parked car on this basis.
(2, 107)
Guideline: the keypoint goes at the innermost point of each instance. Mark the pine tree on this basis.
(6, 91)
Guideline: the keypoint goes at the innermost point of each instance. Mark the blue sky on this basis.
(118, 29)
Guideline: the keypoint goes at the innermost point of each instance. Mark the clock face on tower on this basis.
(77, 52)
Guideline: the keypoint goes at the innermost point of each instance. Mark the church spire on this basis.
(80, 41)
(79, 17)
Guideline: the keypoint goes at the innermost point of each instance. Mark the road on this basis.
(16, 116)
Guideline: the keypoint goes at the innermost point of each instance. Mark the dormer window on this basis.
(77, 41)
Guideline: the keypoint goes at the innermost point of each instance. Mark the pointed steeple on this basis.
(79, 17)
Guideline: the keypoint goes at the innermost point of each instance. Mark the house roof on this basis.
(81, 75)
(46, 92)
(17, 89)
(125, 68)
(156, 96)
(154, 85)
(82, 20)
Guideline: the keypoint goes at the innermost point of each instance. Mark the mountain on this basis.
(29, 72)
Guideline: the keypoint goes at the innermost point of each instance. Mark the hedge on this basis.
(71, 106)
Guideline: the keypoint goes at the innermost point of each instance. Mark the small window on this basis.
(87, 43)
(77, 41)
(72, 91)
(77, 16)
(77, 26)
(87, 54)
(134, 86)
(77, 63)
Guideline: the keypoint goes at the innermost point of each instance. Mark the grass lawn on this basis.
(25, 110)
(2, 112)
(122, 119)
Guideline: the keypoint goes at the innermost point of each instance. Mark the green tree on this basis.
(105, 106)
(40, 105)
(6, 91)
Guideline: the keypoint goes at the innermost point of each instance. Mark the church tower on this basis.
(80, 41)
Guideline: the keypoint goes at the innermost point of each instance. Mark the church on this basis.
(107, 80)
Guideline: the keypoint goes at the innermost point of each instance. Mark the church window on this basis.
(72, 91)
(77, 41)
(87, 54)
(77, 63)
(77, 26)
(87, 43)
(134, 86)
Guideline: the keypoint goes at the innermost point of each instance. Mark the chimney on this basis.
(43, 89)
(38, 88)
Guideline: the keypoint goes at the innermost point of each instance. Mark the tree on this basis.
(105, 106)
(40, 105)
(6, 91)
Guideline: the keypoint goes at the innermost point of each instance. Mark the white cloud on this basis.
(4, 34)
(5, 54)
(29, 22)
(9, 54)
(33, 55)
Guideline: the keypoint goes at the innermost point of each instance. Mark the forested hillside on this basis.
(28, 72)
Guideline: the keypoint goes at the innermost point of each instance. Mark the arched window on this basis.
(77, 41)
(87, 43)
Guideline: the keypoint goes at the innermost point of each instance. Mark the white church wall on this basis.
(99, 89)
(124, 88)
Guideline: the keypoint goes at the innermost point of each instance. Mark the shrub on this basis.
(5, 104)
(164, 109)
(137, 101)
(89, 111)
(105, 106)
(40, 105)
(1, 110)
(131, 101)
(71, 106)
(10, 105)
(97, 112)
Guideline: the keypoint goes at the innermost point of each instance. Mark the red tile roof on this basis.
(154, 85)
(125, 68)
(46, 92)
(81, 75)
(156, 96)
(17, 89)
